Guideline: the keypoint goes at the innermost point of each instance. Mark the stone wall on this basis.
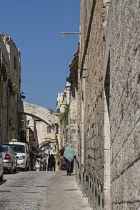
(91, 127)
(9, 89)
(107, 104)
(15, 71)
(73, 79)
(124, 105)
(73, 124)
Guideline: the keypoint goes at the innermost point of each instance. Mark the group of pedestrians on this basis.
(65, 162)
(40, 165)
(44, 165)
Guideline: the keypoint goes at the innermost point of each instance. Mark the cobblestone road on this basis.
(41, 191)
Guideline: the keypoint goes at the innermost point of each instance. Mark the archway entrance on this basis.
(41, 128)
(42, 121)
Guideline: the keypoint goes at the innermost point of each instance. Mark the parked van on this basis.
(22, 154)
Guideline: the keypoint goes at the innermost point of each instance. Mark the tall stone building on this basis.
(9, 89)
(93, 156)
(63, 105)
(72, 117)
(104, 114)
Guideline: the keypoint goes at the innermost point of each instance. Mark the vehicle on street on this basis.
(1, 168)
(22, 154)
(9, 159)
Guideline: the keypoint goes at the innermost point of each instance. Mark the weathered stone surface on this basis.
(9, 97)
(40, 112)
(46, 116)
(40, 191)
(108, 104)
(124, 105)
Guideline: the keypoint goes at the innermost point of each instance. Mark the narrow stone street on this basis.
(40, 191)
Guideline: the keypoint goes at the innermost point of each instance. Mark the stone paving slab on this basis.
(43, 190)
(63, 193)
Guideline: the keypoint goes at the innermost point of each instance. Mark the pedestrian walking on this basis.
(37, 165)
(44, 165)
(69, 155)
(51, 163)
(61, 159)
(62, 151)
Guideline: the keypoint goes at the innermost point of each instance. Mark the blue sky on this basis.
(34, 26)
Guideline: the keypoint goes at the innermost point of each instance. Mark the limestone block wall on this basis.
(4, 58)
(93, 95)
(124, 105)
(9, 99)
(91, 119)
(73, 124)
(93, 122)
(108, 108)
(15, 71)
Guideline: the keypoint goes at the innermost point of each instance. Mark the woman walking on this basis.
(69, 155)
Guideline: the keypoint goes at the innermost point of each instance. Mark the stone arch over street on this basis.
(47, 141)
(43, 114)
(39, 112)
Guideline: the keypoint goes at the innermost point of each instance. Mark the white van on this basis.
(22, 154)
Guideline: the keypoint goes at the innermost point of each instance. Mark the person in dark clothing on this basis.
(44, 165)
(62, 160)
(51, 163)
(62, 151)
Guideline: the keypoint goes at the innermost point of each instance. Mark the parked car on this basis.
(22, 154)
(1, 168)
(9, 158)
